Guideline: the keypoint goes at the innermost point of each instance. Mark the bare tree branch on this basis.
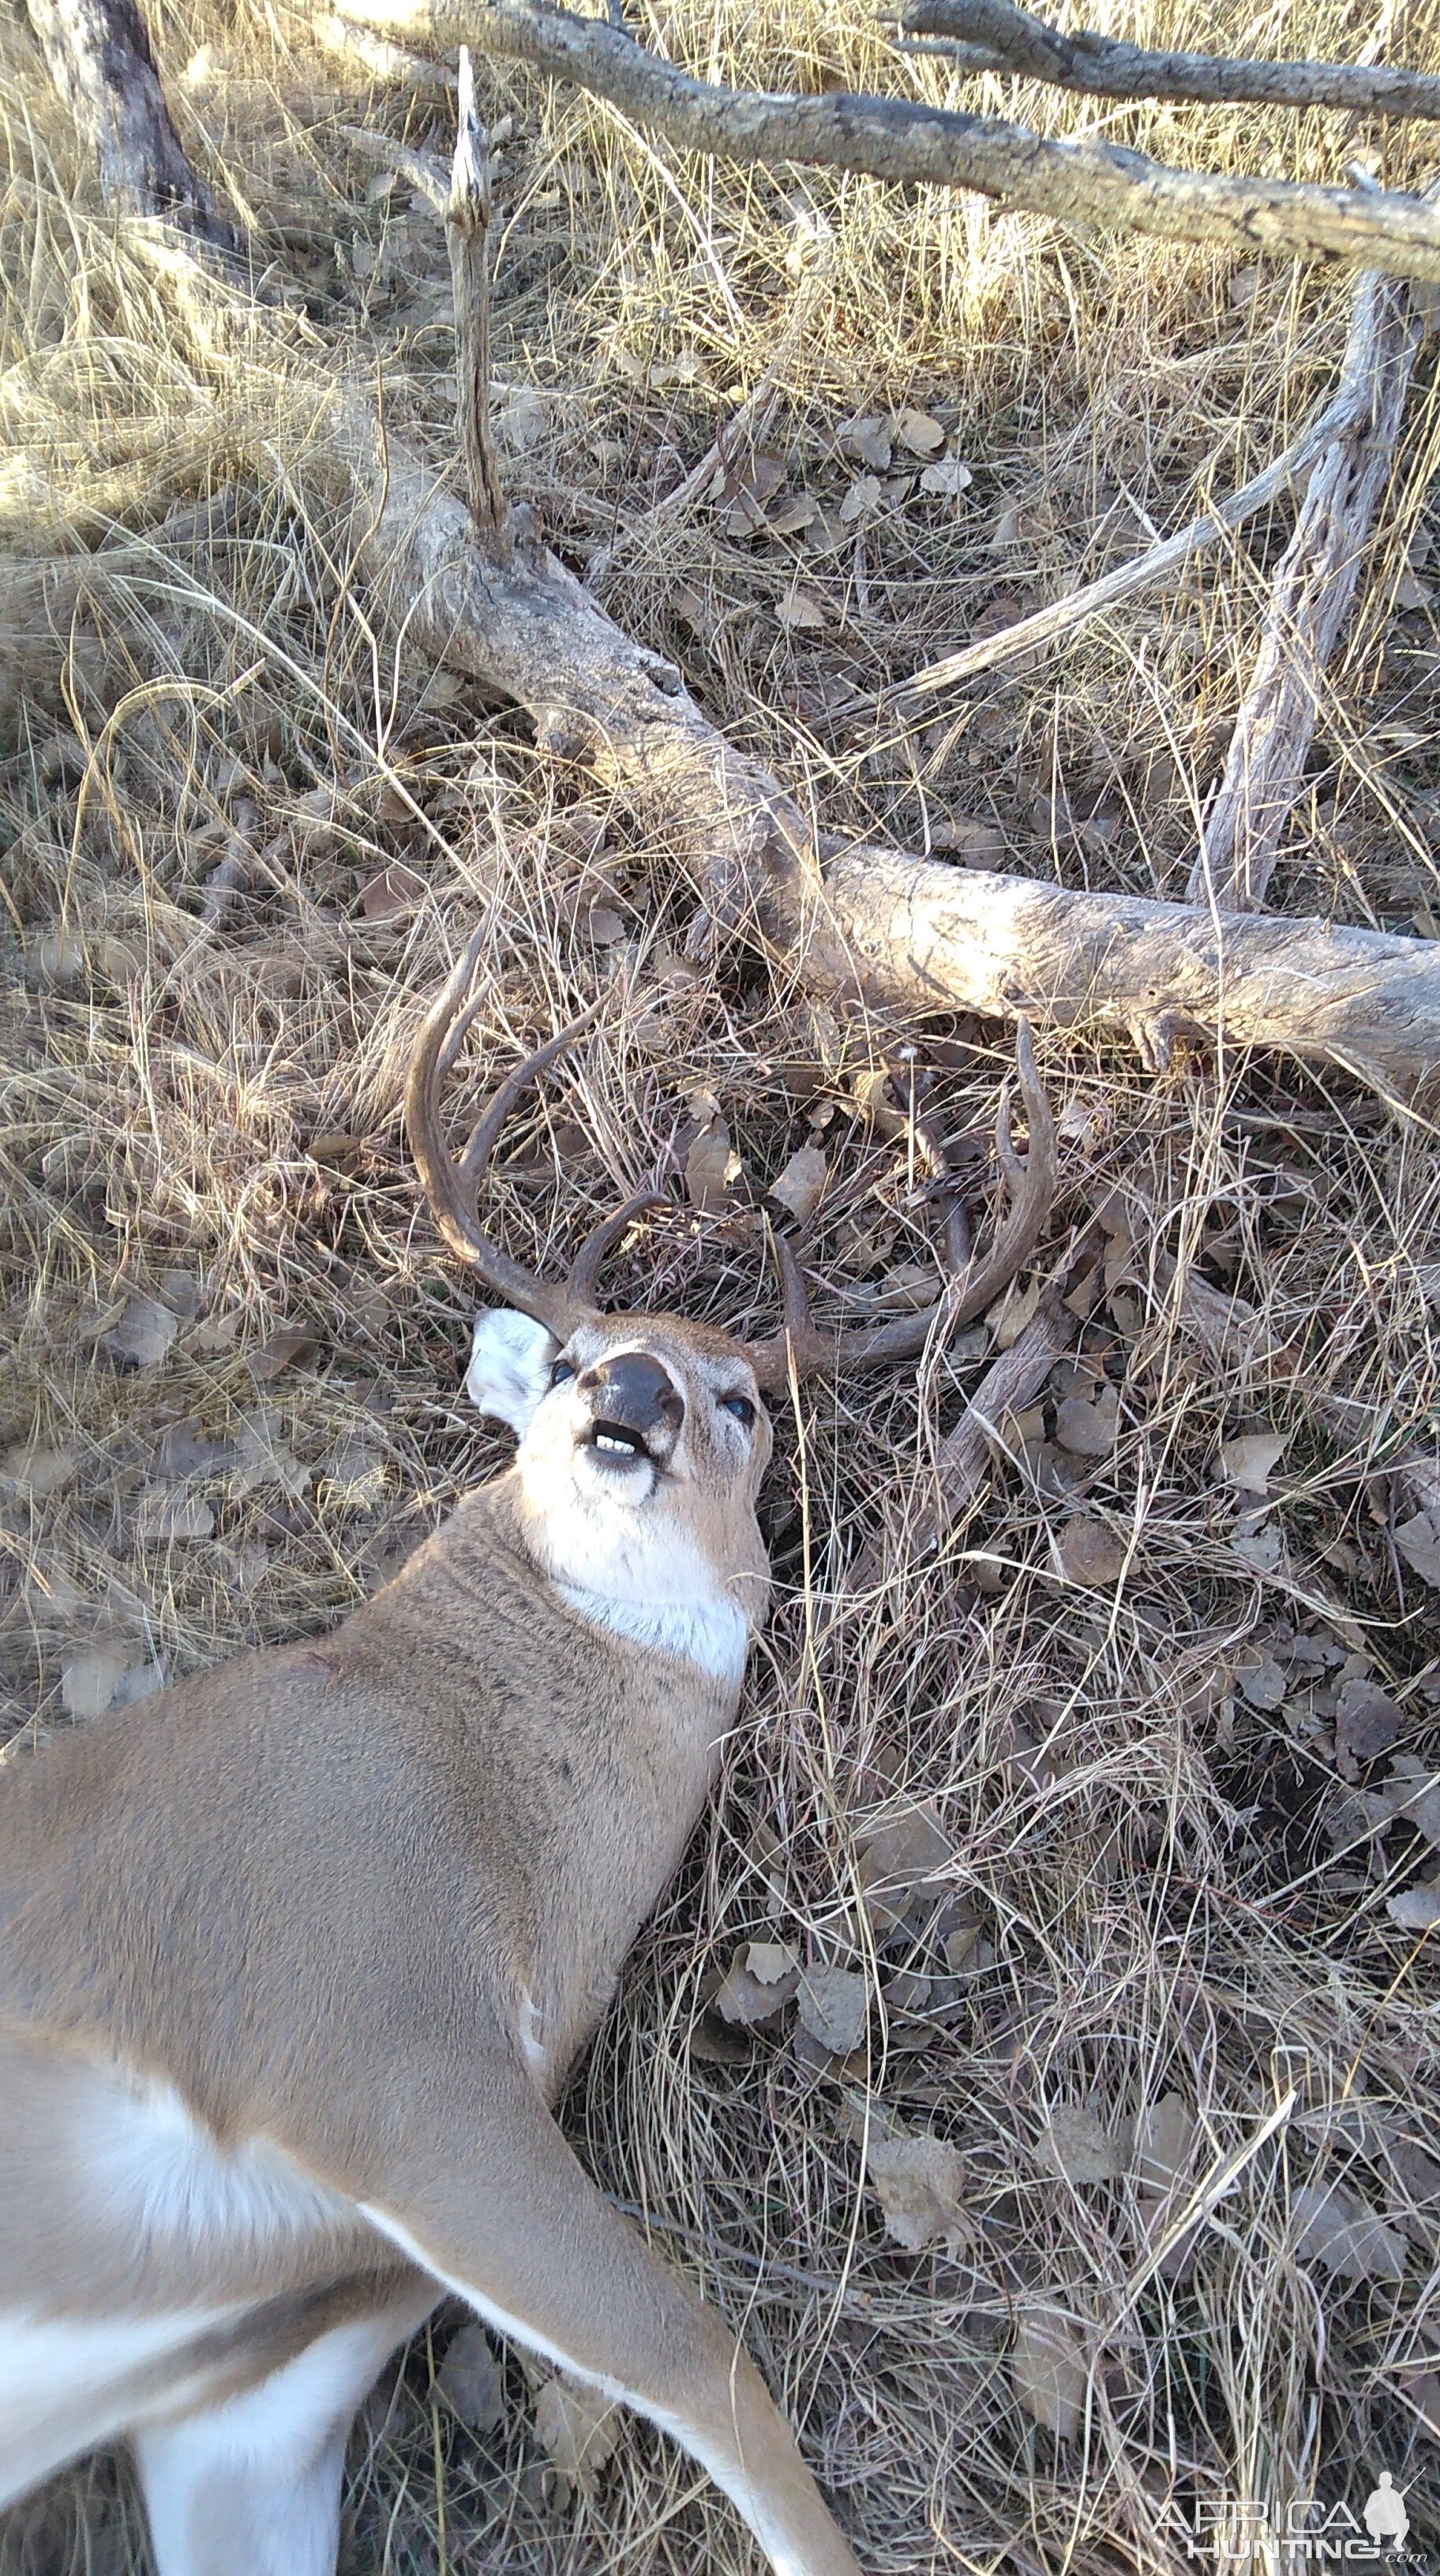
(467, 229)
(995, 35)
(1310, 597)
(900, 139)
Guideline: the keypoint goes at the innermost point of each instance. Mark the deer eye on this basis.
(560, 1370)
(740, 1406)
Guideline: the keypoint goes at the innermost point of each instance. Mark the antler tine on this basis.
(972, 1287)
(584, 1270)
(450, 1185)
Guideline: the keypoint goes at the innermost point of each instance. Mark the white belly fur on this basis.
(68, 2382)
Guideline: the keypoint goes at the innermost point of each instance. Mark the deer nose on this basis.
(634, 1390)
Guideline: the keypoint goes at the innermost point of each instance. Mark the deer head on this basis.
(655, 1418)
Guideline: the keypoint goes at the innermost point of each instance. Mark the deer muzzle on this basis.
(636, 1409)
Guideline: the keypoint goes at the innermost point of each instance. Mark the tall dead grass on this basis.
(1171, 1900)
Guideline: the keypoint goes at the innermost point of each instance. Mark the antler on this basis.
(800, 1346)
(452, 1182)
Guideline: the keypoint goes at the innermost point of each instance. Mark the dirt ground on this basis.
(1155, 1804)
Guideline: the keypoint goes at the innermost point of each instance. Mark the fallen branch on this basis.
(1310, 597)
(903, 140)
(996, 36)
(918, 935)
(915, 936)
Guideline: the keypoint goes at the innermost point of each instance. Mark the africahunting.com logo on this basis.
(1283, 2535)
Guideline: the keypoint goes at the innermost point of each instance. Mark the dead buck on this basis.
(296, 1957)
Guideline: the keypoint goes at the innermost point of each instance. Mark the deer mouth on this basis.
(617, 1445)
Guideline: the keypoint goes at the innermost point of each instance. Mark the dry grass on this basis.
(207, 1113)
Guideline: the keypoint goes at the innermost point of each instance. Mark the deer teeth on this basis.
(621, 1448)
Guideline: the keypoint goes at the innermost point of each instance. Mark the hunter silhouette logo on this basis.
(1384, 2513)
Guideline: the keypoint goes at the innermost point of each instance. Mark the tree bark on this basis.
(901, 139)
(98, 55)
(994, 35)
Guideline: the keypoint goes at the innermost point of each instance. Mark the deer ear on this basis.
(510, 1356)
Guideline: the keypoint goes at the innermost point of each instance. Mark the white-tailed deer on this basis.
(294, 1959)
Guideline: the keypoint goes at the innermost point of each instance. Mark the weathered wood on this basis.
(98, 55)
(995, 35)
(903, 139)
(919, 936)
(467, 230)
(1310, 598)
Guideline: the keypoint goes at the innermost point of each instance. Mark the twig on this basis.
(995, 35)
(467, 224)
(393, 64)
(1310, 599)
(423, 172)
(1348, 406)
(903, 139)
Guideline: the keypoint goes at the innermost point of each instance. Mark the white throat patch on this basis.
(711, 1634)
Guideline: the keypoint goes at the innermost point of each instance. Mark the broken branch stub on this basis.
(467, 231)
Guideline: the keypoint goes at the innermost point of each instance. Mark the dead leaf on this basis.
(973, 843)
(290, 1344)
(803, 612)
(89, 1678)
(833, 2007)
(749, 1994)
(262, 1458)
(1088, 1430)
(861, 501)
(1089, 1552)
(1164, 2134)
(1079, 2146)
(143, 1335)
(801, 1185)
(920, 2185)
(390, 892)
(605, 925)
(712, 1168)
(183, 1452)
(897, 1858)
(1367, 1720)
(1413, 1791)
(38, 1473)
(1010, 1314)
(867, 441)
(1339, 2229)
(1416, 1909)
(469, 2380)
(1419, 1543)
(1048, 2372)
(579, 2427)
(946, 479)
(519, 418)
(1248, 1461)
(162, 1518)
(919, 432)
(1259, 1549)
(1261, 1682)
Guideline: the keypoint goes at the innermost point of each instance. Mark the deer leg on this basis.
(516, 2228)
(251, 2486)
